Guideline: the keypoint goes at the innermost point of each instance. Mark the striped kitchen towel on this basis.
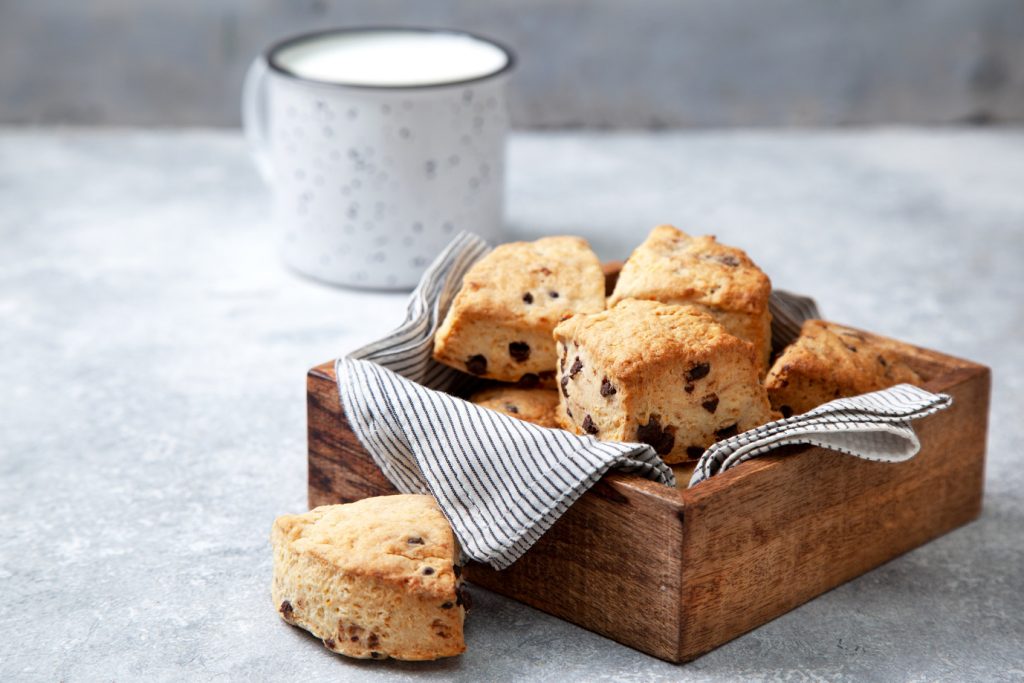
(502, 482)
(873, 426)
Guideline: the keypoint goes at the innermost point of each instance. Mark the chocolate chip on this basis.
(786, 411)
(882, 361)
(729, 260)
(660, 439)
(568, 412)
(698, 371)
(577, 365)
(565, 385)
(588, 425)
(476, 364)
(726, 432)
(286, 609)
(529, 380)
(606, 387)
(354, 639)
(415, 540)
(553, 294)
(520, 351)
(509, 408)
(710, 403)
(528, 298)
(329, 643)
(447, 605)
(372, 640)
(694, 452)
(688, 388)
(427, 571)
(850, 347)
(375, 655)
(457, 570)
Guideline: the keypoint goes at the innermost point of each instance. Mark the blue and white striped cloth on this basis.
(502, 482)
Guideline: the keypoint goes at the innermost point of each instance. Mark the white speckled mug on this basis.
(379, 145)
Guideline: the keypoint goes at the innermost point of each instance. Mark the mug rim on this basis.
(270, 55)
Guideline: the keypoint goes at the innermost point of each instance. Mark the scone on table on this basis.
(675, 268)
(499, 325)
(538, 405)
(828, 361)
(666, 375)
(373, 579)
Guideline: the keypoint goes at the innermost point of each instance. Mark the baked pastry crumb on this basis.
(539, 406)
(499, 325)
(373, 579)
(829, 361)
(675, 268)
(669, 376)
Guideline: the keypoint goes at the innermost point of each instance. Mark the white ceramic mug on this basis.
(379, 146)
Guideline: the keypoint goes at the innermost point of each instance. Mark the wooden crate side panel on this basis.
(757, 546)
(340, 469)
(611, 564)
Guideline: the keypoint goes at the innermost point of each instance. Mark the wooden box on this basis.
(678, 572)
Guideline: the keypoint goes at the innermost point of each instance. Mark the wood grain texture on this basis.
(767, 539)
(678, 572)
(340, 469)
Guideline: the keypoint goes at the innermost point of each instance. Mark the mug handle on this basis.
(254, 116)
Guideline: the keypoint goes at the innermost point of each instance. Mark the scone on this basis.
(675, 268)
(499, 325)
(538, 406)
(666, 375)
(828, 361)
(374, 579)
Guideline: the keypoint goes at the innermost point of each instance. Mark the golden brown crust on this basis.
(662, 374)
(632, 338)
(539, 406)
(373, 579)
(675, 268)
(829, 361)
(499, 325)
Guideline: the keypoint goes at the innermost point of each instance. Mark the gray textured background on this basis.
(152, 405)
(604, 63)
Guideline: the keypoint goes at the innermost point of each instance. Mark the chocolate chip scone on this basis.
(539, 406)
(828, 361)
(374, 579)
(499, 325)
(675, 268)
(666, 375)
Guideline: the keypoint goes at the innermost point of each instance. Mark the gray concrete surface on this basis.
(653, 63)
(152, 406)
